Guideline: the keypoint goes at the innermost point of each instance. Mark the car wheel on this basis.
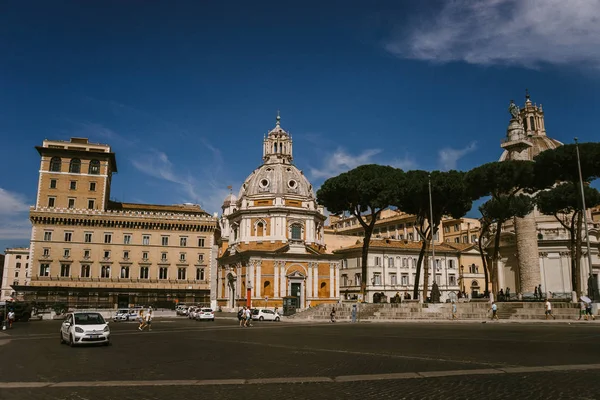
(277, 319)
(127, 319)
(261, 318)
(62, 340)
(71, 341)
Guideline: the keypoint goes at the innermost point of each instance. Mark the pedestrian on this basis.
(540, 291)
(548, 307)
(535, 293)
(353, 312)
(332, 314)
(141, 320)
(11, 318)
(588, 310)
(582, 309)
(494, 311)
(242, 316)
(453, 310)
(148, 320)
(248, 317)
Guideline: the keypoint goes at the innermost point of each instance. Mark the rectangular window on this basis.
(446, 229)
(105, 271)
(200, 242)
(126, 255)
(51, 201)
(44, 269)
(181, 256)
(465, 239)
(164, 241)
(146, 240)
(71, 203)
(163, 273)
(473, 238)
(451, 264)
(452, 280)
(200, 257)
(91, 204)
(438, 279)
(18, 265)
(182, 242)
(16, 274)
(106, 254)
(181, 273)
(411, 236)
(68, 236)
(356, 279)
(391, 262)
(86, 254)
(163, 256)
(73, 185)
(67, 253)
(344, 280)
(144, 273)
(404, 279)
(393, 279)
(124, 272)
(377, 261)
(376, 278)
(199, 274)
(127, 239)
(92, 186)
(52, 183)
(145, 255)
(108, 238)
(87, 237)
(404, 262)
(456, 240)
(65, 270)
(456, 228)
(85, 271)
(46, 252)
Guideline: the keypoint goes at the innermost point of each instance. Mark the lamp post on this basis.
(585, 222)
(432, 232)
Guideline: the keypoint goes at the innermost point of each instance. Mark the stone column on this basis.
(527, 253)
(276, 279)
(258, 285)
(309, 280)
(331, 280)
(337, 280)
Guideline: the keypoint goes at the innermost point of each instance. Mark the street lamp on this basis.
(585, 223)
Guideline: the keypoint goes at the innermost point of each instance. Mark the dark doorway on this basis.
(123, 300)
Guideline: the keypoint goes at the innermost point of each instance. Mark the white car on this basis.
(192, 311)
(84, 327)
(263, 314)
(205, 314)
(126, 314)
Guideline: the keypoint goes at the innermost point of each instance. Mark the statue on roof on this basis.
(514, 110)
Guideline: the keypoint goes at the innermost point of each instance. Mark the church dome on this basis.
(539, 143)
(229, 200)
(277, 179)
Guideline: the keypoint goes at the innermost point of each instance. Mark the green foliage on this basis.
(566, 198)
(502, 208)
(368, 187)
(499, 178)
(560, 164)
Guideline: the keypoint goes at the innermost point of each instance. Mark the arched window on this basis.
(260, 229)
(75, 166)
(391, 262)
(296, 232)
(275, 148)
(474, 284)
(531, 123)
(55, 164)
(94, 167)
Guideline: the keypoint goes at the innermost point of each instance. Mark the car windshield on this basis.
(255, 312)
(122, 312)
(206, 310)
(89, 319)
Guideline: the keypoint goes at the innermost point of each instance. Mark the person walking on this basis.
(548, 307)
(582, 309)
(11, 318)
(588, 311)
(332, 314)
(453, 310)
(141, 320)
(535, 293)
(494, 311)
(148, 321)
(248, 317)
(242, 316)
(353, 313)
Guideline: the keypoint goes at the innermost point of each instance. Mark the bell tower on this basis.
(277, 145)
(532, 117)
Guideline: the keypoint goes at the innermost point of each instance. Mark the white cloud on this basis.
(13, 221)
(98, 132)
(509, 32)
(449, 157)
(341, 161)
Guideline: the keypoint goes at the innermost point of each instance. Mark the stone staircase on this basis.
(474, 310)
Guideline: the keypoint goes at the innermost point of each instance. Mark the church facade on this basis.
(534, 250)
(272, 237)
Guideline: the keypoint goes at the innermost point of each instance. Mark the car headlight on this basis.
(106, 329)
(78, 329)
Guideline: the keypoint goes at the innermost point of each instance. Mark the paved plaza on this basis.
(182, 359)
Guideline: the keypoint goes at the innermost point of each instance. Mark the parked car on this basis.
(192, 312)
(84, 327)
(263, 314)
(125, 314)
(181, 310)
(205, 314)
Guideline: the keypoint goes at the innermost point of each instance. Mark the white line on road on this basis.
(305, 379)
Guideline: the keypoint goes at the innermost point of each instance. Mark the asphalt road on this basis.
(182, 359)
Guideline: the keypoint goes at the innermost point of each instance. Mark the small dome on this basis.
(540, 143)
(229, 200)
(280, 179)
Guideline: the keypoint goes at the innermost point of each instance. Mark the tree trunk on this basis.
(484, 261)
(364, 267)
(495, 288)
(418, 275)
(577, 270)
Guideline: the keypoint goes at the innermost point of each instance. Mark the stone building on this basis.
(87, 250)
(15, 272)
(535, 250)
(272, 237)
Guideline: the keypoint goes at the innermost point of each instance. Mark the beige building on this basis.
(87, 250)
(272, 245)
(16, 271)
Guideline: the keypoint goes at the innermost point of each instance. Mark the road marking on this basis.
(306, 379)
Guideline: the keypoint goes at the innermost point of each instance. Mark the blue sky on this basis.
(184, 91)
